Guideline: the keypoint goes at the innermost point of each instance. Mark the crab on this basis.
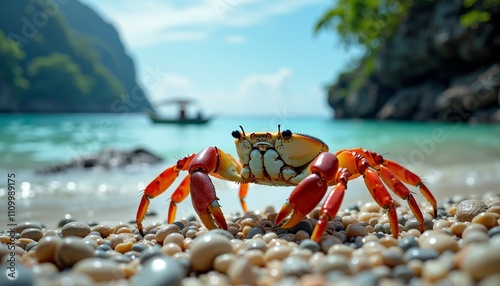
(284, 158)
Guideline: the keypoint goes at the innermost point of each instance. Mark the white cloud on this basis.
(266, 93)
(235, 39)
(150, 22)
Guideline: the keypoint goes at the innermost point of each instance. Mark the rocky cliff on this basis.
(60, 56)
(432, 68)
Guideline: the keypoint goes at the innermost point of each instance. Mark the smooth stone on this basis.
(277, 252)
(334, 262)
(150, 252)
(475, 236)
(408, 242)
(481, 261)
(355, 230)
(100, 270)
(104, 247)
(439, 243)
(206, 248)
(494, 231)
(468, 209)
(420, 254)
(165, 230)
(302, 225)
(139, 247)
(254, 231)
(71, 250)
(103, 230)
(19, 276)
(158, 271)
(75, 228)
(240, 272)
(392, 257)
(31, 245)
(310, 244)
(27, 224)
(491, 280)
(485, 218)
(45, 251)
(414, 224)
(257, 244)
(436, 270)
(403, 273)
(222, 262)
(296, 266)
(32, 233)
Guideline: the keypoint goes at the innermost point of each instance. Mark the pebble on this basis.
(71, 250)
(296, 266)
(100, 270)
(45, 252)
(27, 224)
(32, 233)
(75, 228)
(333, 262)
(164, 231)
(420, 254)
(468, 209)
(354, 230)
(439, 242)
(481, 260)
(408, 242)
(160, 270)
(485, 218)
(206, 248)
(310, 244)
(240, 272)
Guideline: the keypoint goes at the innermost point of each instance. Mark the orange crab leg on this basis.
(242, 195)
(331, 205)
(410, 178)
(178, 196)
(158, 186)
(382, 197)
(402, 191)
(309, 192)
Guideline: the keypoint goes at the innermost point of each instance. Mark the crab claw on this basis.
(304, 198)
(205, 202)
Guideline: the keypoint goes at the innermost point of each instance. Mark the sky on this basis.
(233, 57)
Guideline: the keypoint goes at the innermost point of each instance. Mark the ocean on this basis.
(452, 158)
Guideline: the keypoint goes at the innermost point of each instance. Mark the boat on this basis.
(182, 118)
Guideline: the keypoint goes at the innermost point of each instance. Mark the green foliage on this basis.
(71, 83)
(368, 23)
(10, 70)
(478, 13)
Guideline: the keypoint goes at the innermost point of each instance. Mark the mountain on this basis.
(61, 56)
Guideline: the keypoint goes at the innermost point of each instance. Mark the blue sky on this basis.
(233, 57)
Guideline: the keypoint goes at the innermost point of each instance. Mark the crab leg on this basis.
(402, 191)
(309, 192)
(410, 178)
(332, 204)
(159, 185)
(242, 194)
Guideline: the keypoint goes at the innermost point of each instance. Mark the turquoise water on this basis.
(452, 158)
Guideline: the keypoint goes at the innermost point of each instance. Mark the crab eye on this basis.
(287, 134)
(236, 134)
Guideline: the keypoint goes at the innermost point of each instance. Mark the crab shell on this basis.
(276, 158)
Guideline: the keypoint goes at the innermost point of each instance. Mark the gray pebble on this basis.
(379, 228)
(222, 232)
(16, 276)
(296, 266)
(408, 242)
(75, 228)
(333, 262)
(494, 231)
(420, 254)
(139, 247)
(413, 223)
(310, 244)
(257, 244)
(302, 225)
(402, 272)
(31, 245)
(392, 257)
(365, 278)
(253, 232)
(104, 247)
(27, 224)
(150, 252)
(160, 270)
(71, 250)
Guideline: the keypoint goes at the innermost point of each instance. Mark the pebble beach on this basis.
(461, 246)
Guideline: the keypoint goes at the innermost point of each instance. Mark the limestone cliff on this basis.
(432, 68)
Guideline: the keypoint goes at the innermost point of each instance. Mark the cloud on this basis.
(235, 39)
(268, 93)
(152, 21)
